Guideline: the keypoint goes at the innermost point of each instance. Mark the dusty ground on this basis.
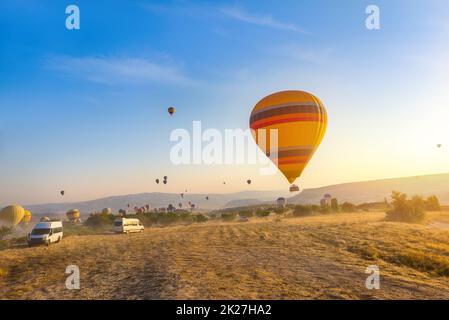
(297, 258)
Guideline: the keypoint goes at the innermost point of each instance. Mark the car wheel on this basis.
(47, 243)
(59, 239)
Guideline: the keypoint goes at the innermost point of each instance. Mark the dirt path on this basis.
(304, 258)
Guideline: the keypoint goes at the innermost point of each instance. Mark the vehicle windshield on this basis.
(118, 223)
(37, 232)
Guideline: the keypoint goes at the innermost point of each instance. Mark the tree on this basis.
(348, 207)
(406, 210)
(433, 204)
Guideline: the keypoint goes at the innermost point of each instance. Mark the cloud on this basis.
(260, 20)
(195, 10)
(114, 70)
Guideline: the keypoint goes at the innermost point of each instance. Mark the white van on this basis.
(123, 225)
(45, 233)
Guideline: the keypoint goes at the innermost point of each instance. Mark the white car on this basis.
(45, 233)
(123, 225)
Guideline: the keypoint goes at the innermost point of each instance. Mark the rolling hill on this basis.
(377, 190)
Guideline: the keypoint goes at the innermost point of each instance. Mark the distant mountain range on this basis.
(377, 190)
(355, 192)
(160, 200)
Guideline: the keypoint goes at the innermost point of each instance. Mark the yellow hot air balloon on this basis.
(73, 214)
(301, 121)
(26, 217)
(12, 215)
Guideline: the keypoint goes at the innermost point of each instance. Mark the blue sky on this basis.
(85, 110)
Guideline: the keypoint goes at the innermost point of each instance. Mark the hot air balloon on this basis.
(73, 215)
(281, 202)
(147, 207)
(182, 195)
(207, 198)
(12, 215)
(327, 196)
(300, 120)
(106, 211)
(128, 205)
(157, 181)
(248, 181)
(165, 181)
(180, 205)
(165, 177)
(439, 145)
(171, 111)
(62, 192)
(224, 182)
(26, 217)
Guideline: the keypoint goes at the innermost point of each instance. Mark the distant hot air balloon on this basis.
(157, 181)
(106, 211)
(12, 215)
(171, 111)
(182, 195)
(128, 205)
(165, 181)
(439, 145)
(62, 192)
(73, 215)
(327, 196)
(147, 207)
(281, 202)
(248, 181)
(300, 120)
(26, 217)
(207, 198)
(224, 182)
(180, 205)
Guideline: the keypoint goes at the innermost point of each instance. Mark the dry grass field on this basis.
(319, 257)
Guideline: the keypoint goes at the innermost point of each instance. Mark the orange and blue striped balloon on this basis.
(300, 120)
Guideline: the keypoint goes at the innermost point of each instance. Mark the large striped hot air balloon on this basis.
(300, 119)
(26, 217)
(73, 215)
(12, 215)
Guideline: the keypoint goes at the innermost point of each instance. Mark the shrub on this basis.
(99, 220)
(263, 213)
(406, 210)
(5, 231)
(199, 218)
(228, 216)
(433, 204)
(348, 207)
(301, 210)
(246, 213)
